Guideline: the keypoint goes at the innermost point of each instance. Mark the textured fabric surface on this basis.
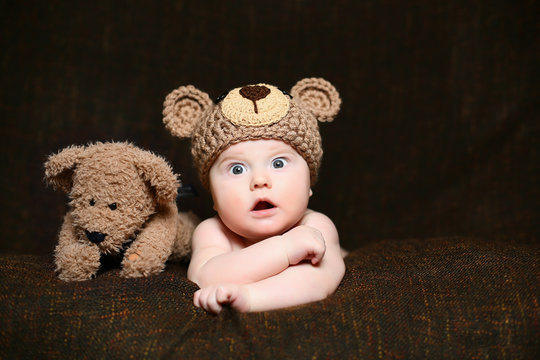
(438, 298)
(437, 133)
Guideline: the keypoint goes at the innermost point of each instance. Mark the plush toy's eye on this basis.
(113, 206)
(220, 97)
(285, 93)
(92, 202)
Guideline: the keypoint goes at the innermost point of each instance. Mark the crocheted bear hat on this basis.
(252, 112)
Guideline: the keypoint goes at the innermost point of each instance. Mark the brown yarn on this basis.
(213, 128)
(215, 133)
(254, 93)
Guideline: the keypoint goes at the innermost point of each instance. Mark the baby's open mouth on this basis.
(263, 205)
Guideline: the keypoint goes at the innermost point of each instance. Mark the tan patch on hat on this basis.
(255, 105)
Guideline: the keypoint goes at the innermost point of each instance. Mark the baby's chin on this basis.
(255, 236)
(252, 233)
(252, 237)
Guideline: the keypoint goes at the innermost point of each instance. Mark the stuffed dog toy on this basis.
(122, 202)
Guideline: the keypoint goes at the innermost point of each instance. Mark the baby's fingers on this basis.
(318, 252)
(196, 298)
(222, 296)
(213, 305)
(206, 299)
(317, 256)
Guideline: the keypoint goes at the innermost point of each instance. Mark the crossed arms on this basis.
(300, 266)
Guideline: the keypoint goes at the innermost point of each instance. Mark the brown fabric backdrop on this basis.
(438, 133)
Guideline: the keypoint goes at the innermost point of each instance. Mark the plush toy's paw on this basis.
(187, 222)
(77, 262)
(135, 265)
(69, 275)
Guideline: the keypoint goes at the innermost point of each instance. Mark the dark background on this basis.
(438, 133)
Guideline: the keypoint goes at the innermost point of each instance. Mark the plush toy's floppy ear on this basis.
(59, 168)
(318, 96)
(158, 173)
(183, 108)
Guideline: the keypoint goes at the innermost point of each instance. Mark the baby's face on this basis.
(260, 188)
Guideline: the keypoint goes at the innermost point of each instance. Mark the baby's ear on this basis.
(317, 96)
(59, 168)
(158, 173)
(183, 108)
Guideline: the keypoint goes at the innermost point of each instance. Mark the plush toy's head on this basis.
(252, 112)
(113, 189)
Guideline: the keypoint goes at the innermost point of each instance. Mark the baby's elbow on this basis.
(333, 279)
(191, 275)
(322, 292)
(323, 288)
(201, 277)
(195, 275)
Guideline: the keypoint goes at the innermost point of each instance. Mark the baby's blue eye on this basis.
(238, 169)
(279, 163)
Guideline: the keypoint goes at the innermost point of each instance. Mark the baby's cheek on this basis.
(231, 215)
(229, 199)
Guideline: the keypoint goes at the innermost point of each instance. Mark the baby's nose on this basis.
(260, 180)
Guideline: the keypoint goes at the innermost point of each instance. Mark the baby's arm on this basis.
(214, 261)
(295, 285)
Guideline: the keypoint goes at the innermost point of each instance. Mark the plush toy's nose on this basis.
(95, 237)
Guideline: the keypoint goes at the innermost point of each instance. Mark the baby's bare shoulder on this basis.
(322, 223)
(211, 233)
(312, 216)
(317, 220)
(207, 226)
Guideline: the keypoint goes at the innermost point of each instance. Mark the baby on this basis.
(258, 151)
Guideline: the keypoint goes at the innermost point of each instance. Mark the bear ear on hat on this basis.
(183, 108)
(317, 96)
(59, 168)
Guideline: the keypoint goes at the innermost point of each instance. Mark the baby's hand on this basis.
(304, 243)
(212, 298)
